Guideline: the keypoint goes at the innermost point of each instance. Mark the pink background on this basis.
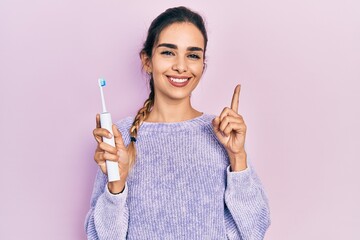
(299, 66)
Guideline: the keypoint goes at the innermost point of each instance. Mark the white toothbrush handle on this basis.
(112, 167)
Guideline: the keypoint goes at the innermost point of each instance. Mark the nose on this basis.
(180, 65)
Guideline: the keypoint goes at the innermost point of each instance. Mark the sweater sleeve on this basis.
(247, 215)
(108, 215)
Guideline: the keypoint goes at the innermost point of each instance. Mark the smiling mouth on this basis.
(179, 81)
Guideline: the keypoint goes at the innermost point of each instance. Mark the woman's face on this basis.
(177, 63)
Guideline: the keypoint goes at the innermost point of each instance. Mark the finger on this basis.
(237, 127)
(228, 112)
(111, 157)
(98, 121)
(235, 99)
(99, 159)
(97, 156)
(107, 148)
(103, 168)
(119, 142)
(216, 122)
(216, 125)
(101, 132)
(229, 119)
(98, 138)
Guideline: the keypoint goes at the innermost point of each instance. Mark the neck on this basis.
(172, 111)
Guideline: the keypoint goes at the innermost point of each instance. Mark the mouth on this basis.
(178, 81)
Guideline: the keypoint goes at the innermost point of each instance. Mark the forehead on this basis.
(182, 34)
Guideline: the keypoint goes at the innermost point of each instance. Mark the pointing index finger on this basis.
(235, 98)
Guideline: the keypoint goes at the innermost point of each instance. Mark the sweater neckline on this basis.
(174, 126)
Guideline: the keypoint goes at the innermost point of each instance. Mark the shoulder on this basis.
(124, 126)
(208, 126)
(124, 123)
(207, 118)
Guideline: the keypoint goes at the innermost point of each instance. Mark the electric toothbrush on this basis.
(105, 122)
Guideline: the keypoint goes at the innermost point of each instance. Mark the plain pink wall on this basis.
(299, 65)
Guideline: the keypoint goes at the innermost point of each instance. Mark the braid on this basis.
(139, 119)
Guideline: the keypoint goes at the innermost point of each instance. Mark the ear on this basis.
(204, 66)
(146, 62)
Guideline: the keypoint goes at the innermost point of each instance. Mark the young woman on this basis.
(184, 174)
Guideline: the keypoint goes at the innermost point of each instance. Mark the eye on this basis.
(167, 53)
(194, 56)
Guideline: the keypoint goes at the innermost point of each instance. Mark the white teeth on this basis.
(179, 80)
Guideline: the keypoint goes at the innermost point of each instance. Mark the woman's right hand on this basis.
(118, 154)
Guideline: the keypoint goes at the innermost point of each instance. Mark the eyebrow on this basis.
(173, 46)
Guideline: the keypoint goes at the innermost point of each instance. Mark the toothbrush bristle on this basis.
(102, 82)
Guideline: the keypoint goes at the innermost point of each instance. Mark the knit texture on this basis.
(179, 188)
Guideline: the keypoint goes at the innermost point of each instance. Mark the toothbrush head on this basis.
(102, 82)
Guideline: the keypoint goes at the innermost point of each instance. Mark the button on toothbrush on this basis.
(105, 122)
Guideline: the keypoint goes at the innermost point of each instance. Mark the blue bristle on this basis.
(102, 82)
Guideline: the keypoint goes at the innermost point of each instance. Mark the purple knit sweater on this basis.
(179, 188)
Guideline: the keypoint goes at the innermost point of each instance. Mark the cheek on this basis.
(161, 65)
(197, 69)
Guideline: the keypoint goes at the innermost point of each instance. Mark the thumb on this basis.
(216, 126)
(123, 156)
(119, 143)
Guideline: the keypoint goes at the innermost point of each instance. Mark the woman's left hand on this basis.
(230, 129)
